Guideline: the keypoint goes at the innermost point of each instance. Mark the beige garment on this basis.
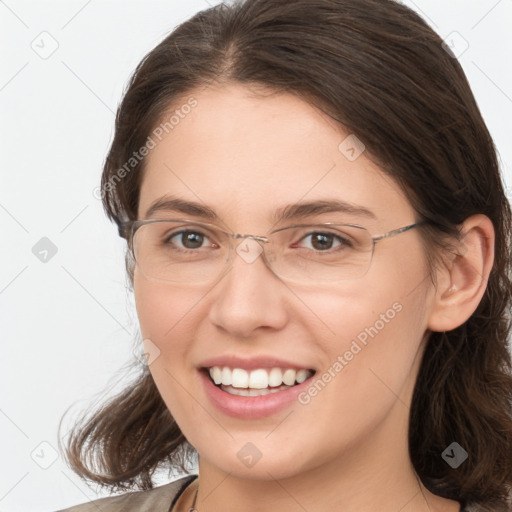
(158, 499)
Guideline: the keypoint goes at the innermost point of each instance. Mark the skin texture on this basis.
(245, 156)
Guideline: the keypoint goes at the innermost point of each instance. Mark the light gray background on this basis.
(68, 325)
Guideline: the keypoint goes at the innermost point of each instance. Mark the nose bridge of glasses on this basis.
(250, 248)
(253, 237)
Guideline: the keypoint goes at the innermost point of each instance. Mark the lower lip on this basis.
(251, 407)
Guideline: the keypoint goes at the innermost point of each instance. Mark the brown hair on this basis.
(379, 70)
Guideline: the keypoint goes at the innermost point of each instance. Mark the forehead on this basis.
(246, 153)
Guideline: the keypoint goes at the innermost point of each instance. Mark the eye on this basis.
(187, 240)
(324, 241)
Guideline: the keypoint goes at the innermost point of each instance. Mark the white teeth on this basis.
(225, 376)
(216, 375)
(259, 379)
(240, 378)
(275, 377)
(289, 377)
(302, 375)
(252, 392)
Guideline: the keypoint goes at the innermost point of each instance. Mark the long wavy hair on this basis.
(379, 70)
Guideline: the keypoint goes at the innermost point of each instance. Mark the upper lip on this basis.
(253, 363)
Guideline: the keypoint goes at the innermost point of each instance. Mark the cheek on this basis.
(167, 318)
(370, 362)
(390, 306)
(150, 304)
(165, 313)
(371, 330)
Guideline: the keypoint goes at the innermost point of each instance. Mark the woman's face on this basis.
(246, 157)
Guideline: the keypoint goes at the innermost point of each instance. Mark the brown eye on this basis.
(187, 239)
(324, 241)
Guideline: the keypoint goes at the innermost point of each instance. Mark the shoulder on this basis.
(158, 499)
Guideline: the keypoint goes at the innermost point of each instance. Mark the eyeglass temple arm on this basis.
(396, 231)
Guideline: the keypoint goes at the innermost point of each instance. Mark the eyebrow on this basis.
(287, 213)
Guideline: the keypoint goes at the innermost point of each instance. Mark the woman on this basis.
(319, 248)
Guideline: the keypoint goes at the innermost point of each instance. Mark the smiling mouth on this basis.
(263, 381)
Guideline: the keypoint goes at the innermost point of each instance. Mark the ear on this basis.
(462, 281)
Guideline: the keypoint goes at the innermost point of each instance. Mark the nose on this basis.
(249, 296)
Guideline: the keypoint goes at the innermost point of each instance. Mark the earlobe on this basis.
(463, 280)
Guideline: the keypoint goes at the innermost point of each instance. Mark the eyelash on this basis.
(342, 241)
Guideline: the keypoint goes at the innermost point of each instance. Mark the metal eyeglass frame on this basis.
(128, 229)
